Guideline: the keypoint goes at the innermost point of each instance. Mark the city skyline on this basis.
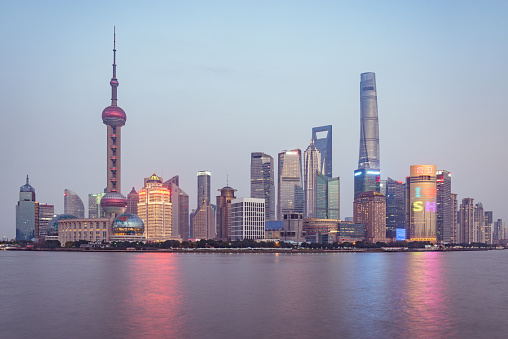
(177, 100)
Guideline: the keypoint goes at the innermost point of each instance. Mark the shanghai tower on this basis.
(367, 176)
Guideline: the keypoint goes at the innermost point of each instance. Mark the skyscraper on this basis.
(489, 219)
(290, 190)
(499, 231)
(73, 204)
(454, 233)
(395, 207)
(204, 182)
(94, 206)
(322, 137)
(327, 197)
(479, 223)
(262, 184)
(367, 176)
(154, 208)
(223, 224)
(179, 208)
(466, 221)
(444, 207)
(26, 213)
(369, 208)
(311, 166)
(113, 202)
(421, 207)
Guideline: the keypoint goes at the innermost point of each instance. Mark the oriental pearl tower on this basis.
(113, 202)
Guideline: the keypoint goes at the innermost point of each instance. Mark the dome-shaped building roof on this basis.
(114, 116)
(53, 224)
(154, 179)
(128, 224)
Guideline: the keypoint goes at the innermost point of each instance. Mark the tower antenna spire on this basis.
(114, 81)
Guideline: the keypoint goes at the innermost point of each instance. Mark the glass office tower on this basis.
(262, 184)
(290, 188)
(322, 137)
(327, 197)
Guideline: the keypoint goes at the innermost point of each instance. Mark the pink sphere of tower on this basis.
(114, 202)
(114, 116)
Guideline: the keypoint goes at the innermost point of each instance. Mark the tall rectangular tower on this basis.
(290, 190)
(466, 221)
(395, 207)
(204, 182)
(262, 184)
(444, 206)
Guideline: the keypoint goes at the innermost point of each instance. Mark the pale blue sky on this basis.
(205, 83)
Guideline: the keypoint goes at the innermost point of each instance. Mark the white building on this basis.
(247, 219)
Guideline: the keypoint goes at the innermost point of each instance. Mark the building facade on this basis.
(322, 137)
(444, 207)
(395, 207)
(73, 204)
(96, 230)
(290, 197)
(320, 230)
(179, 208)
(155, 209)
(204, 182)
(262, 184)
(421, 203)
(94, 206)
(247, 219)
(369, 209)
(467, 234)
(479, 223)
(132, 202)
(499, 232)
(489, 220)
(311, 166)
(203, 222)
(327, 197)
(46, 213)
(454, 233)
(293, 228)
(223, 224)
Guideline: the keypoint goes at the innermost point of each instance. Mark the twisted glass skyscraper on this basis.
(367, 176)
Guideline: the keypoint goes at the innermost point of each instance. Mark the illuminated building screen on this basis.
(400, 234)
(422, 202)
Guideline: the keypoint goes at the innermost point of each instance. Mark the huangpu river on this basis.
(256, 295)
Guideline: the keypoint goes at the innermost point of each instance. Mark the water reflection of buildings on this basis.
(425, 302)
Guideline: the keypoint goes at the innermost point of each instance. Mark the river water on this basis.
(267, 295)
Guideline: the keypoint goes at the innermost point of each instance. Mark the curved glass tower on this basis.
(367, 176)
(369, 127)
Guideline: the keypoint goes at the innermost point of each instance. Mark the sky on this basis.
(205, 83)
